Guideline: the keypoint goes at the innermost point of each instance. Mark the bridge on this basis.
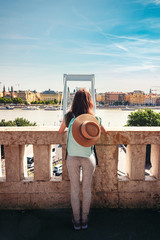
(77, 78)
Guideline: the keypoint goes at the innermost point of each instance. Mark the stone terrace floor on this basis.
(56, 224)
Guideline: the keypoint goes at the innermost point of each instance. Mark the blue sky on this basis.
(118, 41)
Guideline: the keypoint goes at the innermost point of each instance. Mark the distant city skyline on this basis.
(72, 90)
(118, 41)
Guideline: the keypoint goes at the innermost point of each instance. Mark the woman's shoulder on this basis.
(67, 118)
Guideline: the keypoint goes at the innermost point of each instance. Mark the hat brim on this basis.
(77, 134)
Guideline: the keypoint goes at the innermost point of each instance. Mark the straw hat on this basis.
(86, 130)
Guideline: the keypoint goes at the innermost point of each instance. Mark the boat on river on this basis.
(2, 108)
(30, 108)
(50, 108)
(128, 109)
(9, 107)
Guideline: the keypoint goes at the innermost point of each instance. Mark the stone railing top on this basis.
(30, 128)
(50, 135)
(55, 128)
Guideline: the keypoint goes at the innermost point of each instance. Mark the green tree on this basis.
(6, 100)
(116, 103)
(4, 123)
(26, 103)
(102, 103)
(1, 100)
(143, 117)
(17, 100)
(23, 122)
(47, 102)
(55, 101)
(126, 102)
(17, 122)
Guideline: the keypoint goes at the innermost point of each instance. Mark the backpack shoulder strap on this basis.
(94, 150)
(69, 128)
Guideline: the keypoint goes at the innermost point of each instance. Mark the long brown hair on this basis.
(82, 102)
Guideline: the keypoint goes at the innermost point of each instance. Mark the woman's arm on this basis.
(103, 130)
(62, 127)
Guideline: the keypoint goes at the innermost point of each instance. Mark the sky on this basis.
(118, 41)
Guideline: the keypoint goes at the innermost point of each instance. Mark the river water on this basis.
(110, 117)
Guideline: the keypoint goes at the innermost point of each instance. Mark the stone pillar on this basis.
(105, 176)
(42, 166)
(105, 180)
(64, 167)
(155, 160)
(12, 163)
(135, 165)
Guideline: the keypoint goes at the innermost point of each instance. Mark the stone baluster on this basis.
(12, 163)
(42, 162)
(155, 160)
(0, 163)
(135, 165)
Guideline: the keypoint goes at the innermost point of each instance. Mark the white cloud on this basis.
(121, 47)
(150, 23)
(136, 39)
(146, 2)
(137, 68)
(157, 2)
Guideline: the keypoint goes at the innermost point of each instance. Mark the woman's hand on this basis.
(62, 127)
(103, 130)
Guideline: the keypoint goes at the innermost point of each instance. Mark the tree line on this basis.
(9, 100)
(18, 100)
(55, 101)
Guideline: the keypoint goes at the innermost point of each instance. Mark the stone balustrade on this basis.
(134, 190)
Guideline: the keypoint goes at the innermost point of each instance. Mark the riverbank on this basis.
(130, 108)
(40, 106)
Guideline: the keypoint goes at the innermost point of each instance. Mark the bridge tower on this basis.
(78, 77)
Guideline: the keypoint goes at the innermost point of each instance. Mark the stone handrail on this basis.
(108, 190)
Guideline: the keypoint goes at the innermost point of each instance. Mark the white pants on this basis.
(88, 167)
